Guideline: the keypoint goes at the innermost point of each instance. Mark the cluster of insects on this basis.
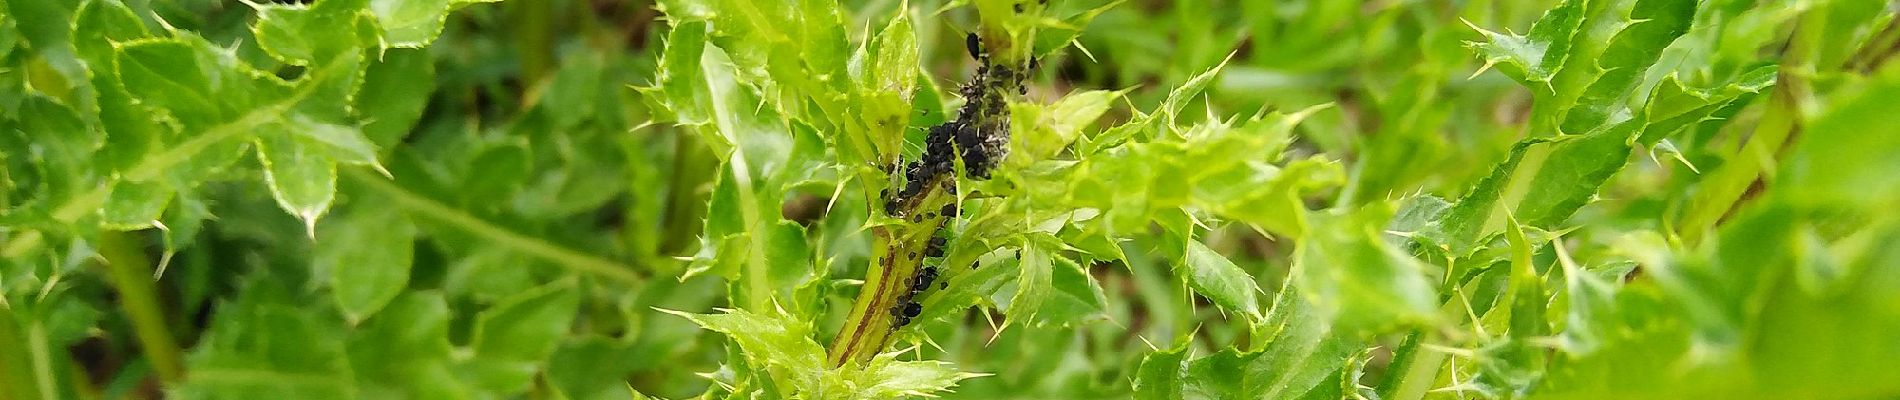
(978, 136)
(907, 306)
(977, 140)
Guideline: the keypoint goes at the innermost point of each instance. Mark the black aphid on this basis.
(935, 247)
(974, 45)
(923, 280)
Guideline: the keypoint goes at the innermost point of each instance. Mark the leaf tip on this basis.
(309, 217)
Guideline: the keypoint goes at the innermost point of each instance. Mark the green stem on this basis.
(896, 259)
(534, 37)
(42, 360)
(15, 380)
(428, 208)
(1416, 370)
(132, 275)
(1726, 188)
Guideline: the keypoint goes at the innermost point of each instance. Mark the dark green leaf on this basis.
(367, 255)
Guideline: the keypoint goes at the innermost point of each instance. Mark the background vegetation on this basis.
(571, 199)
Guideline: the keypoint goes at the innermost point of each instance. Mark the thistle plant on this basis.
(972, 199)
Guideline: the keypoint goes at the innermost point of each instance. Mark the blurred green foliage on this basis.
(570, 199)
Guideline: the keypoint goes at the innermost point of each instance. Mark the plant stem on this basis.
(132, 275)
(431, 209)
(15, 381)
(1734, 183)
(898, 256)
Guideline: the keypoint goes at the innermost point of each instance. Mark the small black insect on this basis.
(1019, 8)
(935, 247)
(903, 313)
(923, 280)
(975, 46)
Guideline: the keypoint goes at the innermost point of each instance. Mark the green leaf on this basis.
(367, 255)
(395, 90)
(136, 205)
(177, 76)
(1585, 96)
(404, 351)
(784, 346)
(1041, 132)
(1032, 282)
(97, 24)
(1218, 279)
(1162, 375)
(46, 27)
(1298, 360)
(308, 34)
(884, 378)
(1537, 56)
(1181, 95)
(1075, 297)
(216, 100)
(968, 288)
(59, 146)
(1675, 105)
(1573, 172)
(594, 367)
(342, 143)
(1650, 27)
(676, 87)
(268, 350)
(514, 338)
(301, 178)
(1358, 280)
(885, 83)
(410, 23)
(1059, 31)
(1841, 156)
(1461, 226)
(773, 341)
(826, 45)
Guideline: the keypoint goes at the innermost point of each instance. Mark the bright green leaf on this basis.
(1218, 279)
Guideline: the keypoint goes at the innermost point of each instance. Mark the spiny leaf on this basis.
(1032, 282)
(1355, 278)
(1534, 57)
(301, 179)
(411, 23)
(307, 35)
(1218, 279)
(778, 342)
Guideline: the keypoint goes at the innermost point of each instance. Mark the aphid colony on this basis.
(979, 136)
(979, 139)
(907, 306)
